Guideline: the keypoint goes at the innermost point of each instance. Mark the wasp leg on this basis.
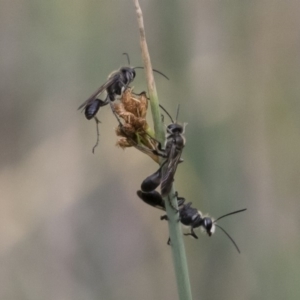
(176, 210)
(98, 133)
(114, 112)
(140, 94)
(165, 217)
(160, 151)
(192, 233)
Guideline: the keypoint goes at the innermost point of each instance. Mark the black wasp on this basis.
(188, 215)
(115, 85)
(174, 145)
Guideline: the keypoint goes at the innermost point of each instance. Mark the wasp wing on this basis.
(111, 79)
(168, 172)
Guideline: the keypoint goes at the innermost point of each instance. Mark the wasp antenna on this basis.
(166, 112)
(127, 57)
(234, 243)
(154, 70)
(162, 74)
(177, 113)
(232, 213)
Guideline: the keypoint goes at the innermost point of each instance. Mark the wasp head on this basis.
(208, 225)
(174, 128)
(128, 74)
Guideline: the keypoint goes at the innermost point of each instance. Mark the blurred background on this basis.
(71, 225)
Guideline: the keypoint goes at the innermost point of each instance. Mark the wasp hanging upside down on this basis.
(188, 215)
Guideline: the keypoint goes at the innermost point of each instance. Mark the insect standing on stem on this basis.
(188, 215)
(164, 176)
(115, 85)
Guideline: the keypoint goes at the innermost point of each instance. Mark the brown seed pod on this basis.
(127, 131)
(132, 109)
(135, 104)
(123, 143)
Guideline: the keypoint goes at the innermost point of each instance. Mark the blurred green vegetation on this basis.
(71, 225)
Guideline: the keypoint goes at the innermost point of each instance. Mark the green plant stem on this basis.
(156, 116)
(177, 245)
(178, 249)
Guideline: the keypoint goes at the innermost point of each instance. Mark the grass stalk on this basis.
(177, 245)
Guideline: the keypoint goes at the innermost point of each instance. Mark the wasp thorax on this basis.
(179, 140)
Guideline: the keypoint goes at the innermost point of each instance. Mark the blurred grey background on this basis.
(71, 225)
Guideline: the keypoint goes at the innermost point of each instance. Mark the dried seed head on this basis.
(123, 143)
(127, 130)
(135, 104)
(132, 109)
